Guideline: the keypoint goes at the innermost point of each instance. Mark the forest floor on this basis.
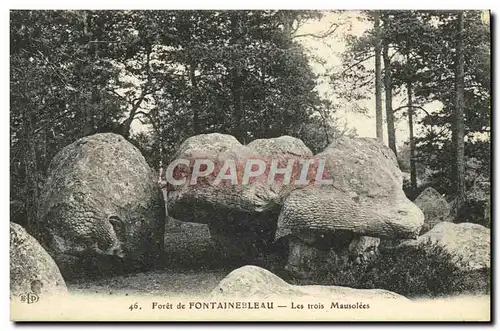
(154, 283)
(194, 267)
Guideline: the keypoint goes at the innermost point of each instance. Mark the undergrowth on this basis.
(413, 271)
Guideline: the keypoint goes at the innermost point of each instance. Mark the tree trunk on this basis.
(89, 125)
(194, 98)
(31, 175)
(236, 84)
(459, 117)
(288, 23)
(413, 168)
(391, 132)
(126, 126)
(378, 81)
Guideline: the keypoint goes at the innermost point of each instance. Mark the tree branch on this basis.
(355, 64)
(50, 122)
(328, 32)
(406, 106)
(120, 96)
(136, 103)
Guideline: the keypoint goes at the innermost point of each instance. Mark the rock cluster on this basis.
(343, 219)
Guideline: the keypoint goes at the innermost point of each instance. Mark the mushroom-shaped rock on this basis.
(467, 243)
(238, 211)
(32, 269)
(434, 206)
(258, 283)
(365, 198)
(101, 202)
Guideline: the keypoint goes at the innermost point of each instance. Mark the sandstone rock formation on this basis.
(202, 201)
(435, 208)
(101, 201)
(365, 200)
(255, 197)
(241, 217)
(252, 282)
(32, 270)
(468, 243)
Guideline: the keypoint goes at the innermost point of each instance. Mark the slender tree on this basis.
(378, 78)
(459, 115)
(413, 167)
(389, 113)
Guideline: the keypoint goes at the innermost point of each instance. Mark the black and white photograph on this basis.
(250, 165)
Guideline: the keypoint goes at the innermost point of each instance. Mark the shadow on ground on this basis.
(192, 265)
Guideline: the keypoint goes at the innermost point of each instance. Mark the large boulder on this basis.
(468, 243)
(32, 269)
(434, 206)
(365, 199)
(209, 196)
(252, 282)
(242, 216)
(202, 201)
(101, 203)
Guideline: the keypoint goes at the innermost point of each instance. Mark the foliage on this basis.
(422, 50)
(243, 75)
(435, 147)
(421, 271)
(56, 81)
(179, 73)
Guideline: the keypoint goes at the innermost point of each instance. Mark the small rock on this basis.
(468, 243)
(435, 208)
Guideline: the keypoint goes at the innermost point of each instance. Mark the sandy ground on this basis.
(154, 283)
(193, 267)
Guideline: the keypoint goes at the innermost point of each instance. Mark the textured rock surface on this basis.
(245, 215)
(469, 243)
(363, 248)
(344, 220)
(435, 208)
(206, 144)
(280, 145)
(312, 250)
(101, 200)
(32, 270)
(204, 202)
(366, 196)
(255, 282)
(208, 198)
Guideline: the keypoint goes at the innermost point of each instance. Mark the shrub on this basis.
(474, 211)
(416, 271)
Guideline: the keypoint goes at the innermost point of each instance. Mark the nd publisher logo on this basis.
(29, 298)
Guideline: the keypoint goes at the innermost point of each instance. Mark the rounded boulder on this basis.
(101, 203)
(32, 269)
